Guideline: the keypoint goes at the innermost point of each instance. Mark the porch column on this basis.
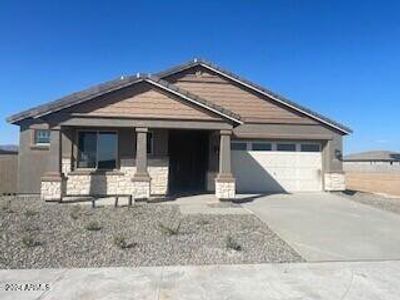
(52, 182)
(141, 179)
(225, 183)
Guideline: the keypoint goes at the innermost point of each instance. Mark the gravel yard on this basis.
(34, 234)
(388, 204)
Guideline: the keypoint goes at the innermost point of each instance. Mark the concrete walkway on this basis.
(328, 227)
(207, 204)
(372, 280)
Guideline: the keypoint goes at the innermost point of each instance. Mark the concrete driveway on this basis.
(328, 227)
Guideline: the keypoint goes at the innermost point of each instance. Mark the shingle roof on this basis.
(373, 156)
(74, 98)
(258, 88)
(113, 85)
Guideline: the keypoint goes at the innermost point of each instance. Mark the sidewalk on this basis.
(350, 280)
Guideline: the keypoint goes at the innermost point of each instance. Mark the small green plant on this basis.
(6, 207)
(121, 242)
(30, 213)
(75, 212)
(29, 241)
(93, 226)
(30, 228)
(203, 222)
(231, 243)
(169, 230)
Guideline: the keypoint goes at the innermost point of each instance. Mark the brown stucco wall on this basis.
(8, 173)
(32, 161)
(284, 131)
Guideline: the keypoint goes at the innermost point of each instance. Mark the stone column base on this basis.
(51, 188)
(141, 188)
(334, 182)
(225, 188)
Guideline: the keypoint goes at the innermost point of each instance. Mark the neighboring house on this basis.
(8, 169)
(195, 127)
(374, 157)
(372, 161)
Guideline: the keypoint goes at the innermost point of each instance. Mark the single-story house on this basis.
(373, 157)
(195, 127)
(372, 161)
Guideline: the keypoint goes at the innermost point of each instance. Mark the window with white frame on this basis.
(97, 149)
(42, 136)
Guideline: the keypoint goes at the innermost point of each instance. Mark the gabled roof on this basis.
(257, 88)
(373, 156)
(157, 80)
(113, 85)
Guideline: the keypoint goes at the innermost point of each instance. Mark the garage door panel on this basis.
(274, 171)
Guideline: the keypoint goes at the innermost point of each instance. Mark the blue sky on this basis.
(340, 58)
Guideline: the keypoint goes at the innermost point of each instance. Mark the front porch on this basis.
(155, 159)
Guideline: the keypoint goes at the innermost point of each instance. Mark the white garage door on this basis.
(276, 167)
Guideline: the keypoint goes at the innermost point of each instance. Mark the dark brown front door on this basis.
(188, 160)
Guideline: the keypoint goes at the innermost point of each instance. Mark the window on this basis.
(238, 146)
(286, 147)
(42, 137)
(97, 149)
(310, 148)
(261, 147)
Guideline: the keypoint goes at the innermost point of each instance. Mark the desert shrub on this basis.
(29, 241)
(169, 229)
(120, 242)
(6, 207)
(93, 226)
(75, 212)
(30, 213)
(203, 222)
(231, 243)
(30, 228)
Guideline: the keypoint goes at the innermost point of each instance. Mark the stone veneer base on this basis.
(51, 190)
(141, 189)
(334, 182)
(225, 189)
(119, 182)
